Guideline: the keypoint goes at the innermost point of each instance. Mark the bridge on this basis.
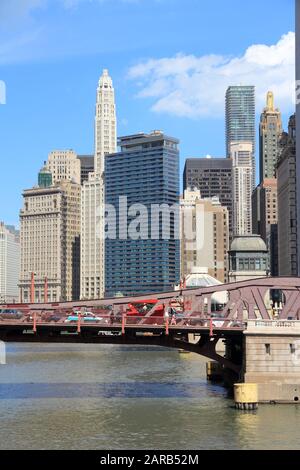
(262, 339)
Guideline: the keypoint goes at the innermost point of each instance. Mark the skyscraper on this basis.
(86, 166)
(264, 207)
(50, 229)
(9, 263)
(204, 235)
(213, 177)
(297, 29)
(241, 155)
(287, 202)
(142, 252)
(93, 194)
(105, 122)
(64, 165)
(270, 129)
(267, 207)
(240, 119)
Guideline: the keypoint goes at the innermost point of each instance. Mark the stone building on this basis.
(64, 165)
(50, 242)
(204, 235)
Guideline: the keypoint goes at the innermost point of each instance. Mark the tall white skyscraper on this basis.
(92, 277)
(241, 154)
(9, 263)
(105, 122)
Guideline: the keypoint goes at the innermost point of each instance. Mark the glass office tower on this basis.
(240, 118)
(145, 173)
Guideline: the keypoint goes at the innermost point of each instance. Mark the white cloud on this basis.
(190, 86)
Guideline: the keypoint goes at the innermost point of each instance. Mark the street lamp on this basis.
(32, 289)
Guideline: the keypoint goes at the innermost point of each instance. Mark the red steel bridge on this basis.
(193, 323)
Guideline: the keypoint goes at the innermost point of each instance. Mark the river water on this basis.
(127, 397)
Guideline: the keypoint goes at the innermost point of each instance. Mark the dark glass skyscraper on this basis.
(240, 118)
(86, 166)
(146, 172)
(213, 177)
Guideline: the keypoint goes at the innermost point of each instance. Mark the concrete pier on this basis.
(246, 396)
(272, 360)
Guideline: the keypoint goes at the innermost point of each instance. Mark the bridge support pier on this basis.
(246, 396)
(272, 360)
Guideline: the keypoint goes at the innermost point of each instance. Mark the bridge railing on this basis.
(260, 323)
(121, 321)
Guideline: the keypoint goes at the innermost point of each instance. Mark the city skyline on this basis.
(149, 228)
(69, 99)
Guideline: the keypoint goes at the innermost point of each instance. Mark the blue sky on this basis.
(171, 61)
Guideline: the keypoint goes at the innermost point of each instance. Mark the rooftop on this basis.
(248, 243)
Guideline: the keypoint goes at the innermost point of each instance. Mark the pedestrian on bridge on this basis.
(173, 317)
(166, 314)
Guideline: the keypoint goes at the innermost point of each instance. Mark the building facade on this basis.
(92, 259)
(213, 177)
(242, 159)
(204, 235)
(86, 167)
(248, 258)
(268, 206)
(9, 264)
(264, 207)
(255, 206)
(50, 230)
(240, 119)
(142, 244)
(105, 122)
(287, 202)
(270, 129)
(64, 166)
(297, 29)
(265, 218)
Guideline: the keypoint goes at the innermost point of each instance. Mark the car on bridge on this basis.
(10, 314)
(86, 317)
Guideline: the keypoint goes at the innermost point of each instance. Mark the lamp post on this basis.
(46, 290)
(32, 289)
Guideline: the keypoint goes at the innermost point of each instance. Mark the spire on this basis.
(105, 80)
(270, 101)
(105, 121)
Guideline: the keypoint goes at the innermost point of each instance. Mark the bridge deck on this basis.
(28, 326)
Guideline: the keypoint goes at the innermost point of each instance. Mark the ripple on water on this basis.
(116, 397)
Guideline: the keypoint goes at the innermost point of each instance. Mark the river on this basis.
(127, 397)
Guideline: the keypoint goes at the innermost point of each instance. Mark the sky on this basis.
(171, 62)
